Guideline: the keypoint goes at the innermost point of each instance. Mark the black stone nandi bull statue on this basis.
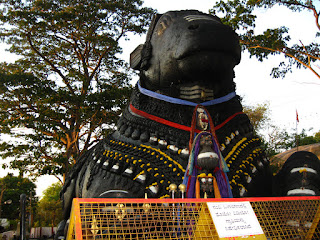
(186, 62)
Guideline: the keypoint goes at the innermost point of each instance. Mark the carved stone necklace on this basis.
(202, 123)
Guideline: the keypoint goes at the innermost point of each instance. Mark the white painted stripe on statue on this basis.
(301, 191)
(191, 18)
(113, 191)
(208, 155)
(303, 169)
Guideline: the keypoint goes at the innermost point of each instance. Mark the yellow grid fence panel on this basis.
(280, 218)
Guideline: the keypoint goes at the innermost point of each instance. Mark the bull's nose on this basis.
(206, 33)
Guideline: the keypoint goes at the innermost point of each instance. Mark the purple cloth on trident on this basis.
(223, 188)
(191, 189)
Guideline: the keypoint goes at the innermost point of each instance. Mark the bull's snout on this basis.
(206, 33)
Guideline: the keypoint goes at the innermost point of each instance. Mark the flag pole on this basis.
(297, 121)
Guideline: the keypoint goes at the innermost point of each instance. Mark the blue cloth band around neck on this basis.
(185, 102)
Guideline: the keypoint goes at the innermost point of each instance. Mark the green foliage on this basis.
(240, 15)
(52, 193)
(279, 141)
(49, 209)
(258, 115)
(12, 187)
(290, 140)
(317, 136)
(282, 140)
(69, 85)
(260, 120)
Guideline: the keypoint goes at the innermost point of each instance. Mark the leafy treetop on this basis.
(49, 211)
(68, 86)
(240, 14)
(11, 189)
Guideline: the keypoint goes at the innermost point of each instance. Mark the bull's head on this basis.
(188, 55)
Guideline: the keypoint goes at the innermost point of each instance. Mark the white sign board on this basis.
(234, 219)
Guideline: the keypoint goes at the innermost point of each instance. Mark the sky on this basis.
(299, 91)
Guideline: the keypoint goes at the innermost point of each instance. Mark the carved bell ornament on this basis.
(208, 159)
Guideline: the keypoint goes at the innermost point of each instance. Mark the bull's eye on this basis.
(162, 27)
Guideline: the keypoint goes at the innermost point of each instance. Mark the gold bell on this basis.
(182, 187)
(172, 187)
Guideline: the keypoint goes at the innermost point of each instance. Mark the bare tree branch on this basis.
(65, 80)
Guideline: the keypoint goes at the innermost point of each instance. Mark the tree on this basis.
(68, 86)
(12, 187)
(241, 16)
(288, 140)
(280, 140)
(49, 210)
(262, 126)
(317, 136)
(258, 115)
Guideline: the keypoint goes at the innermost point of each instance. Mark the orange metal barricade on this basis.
(96, 218)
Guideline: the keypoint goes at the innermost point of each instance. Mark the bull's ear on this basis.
(136, 58)
(139, 58)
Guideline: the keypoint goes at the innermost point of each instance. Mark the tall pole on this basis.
(23, 217)
(297, 142)
(3, 189)
(297, 138)
(31, 213)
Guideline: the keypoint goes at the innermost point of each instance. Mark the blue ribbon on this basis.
(185, 102)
